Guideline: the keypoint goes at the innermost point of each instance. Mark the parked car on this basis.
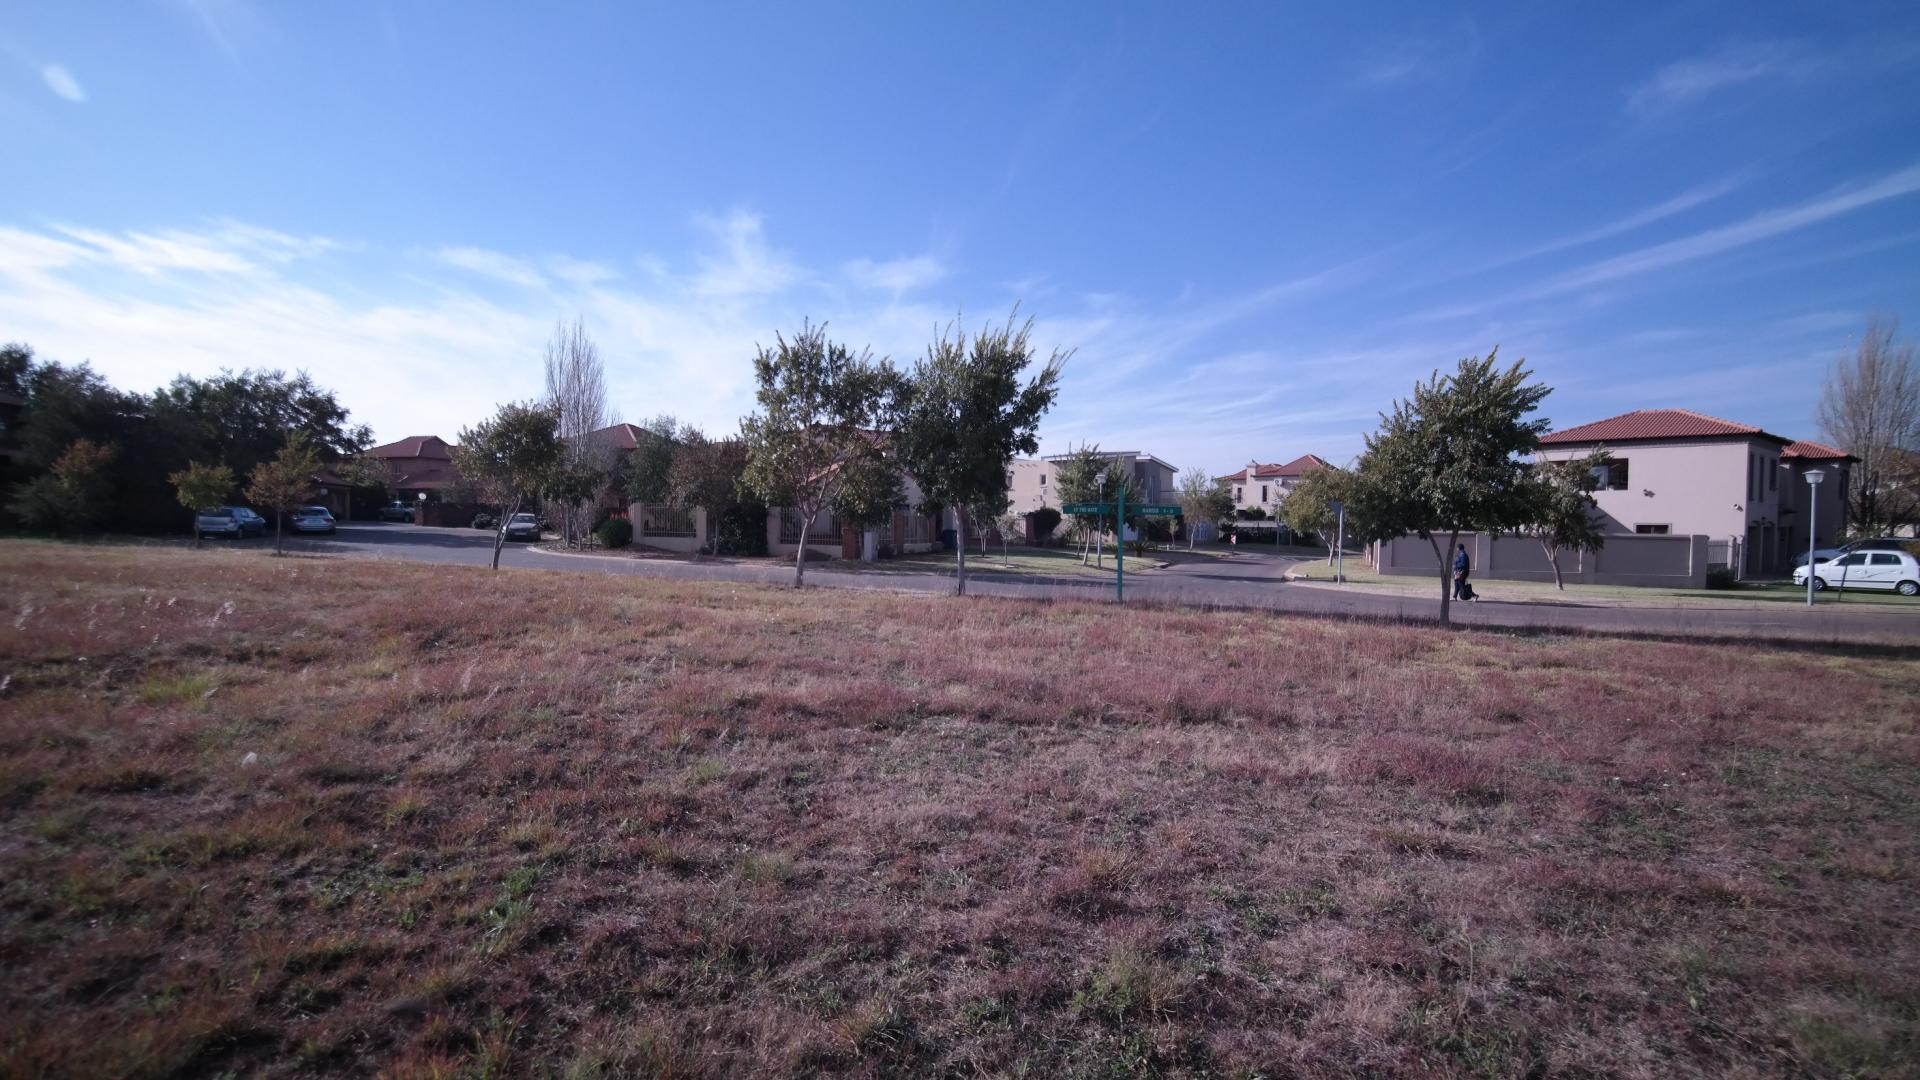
(312, 519)
(522, 527)
(1895, 570)
(396, 511)
(1820, 555)
(251, 524)
(219, 521)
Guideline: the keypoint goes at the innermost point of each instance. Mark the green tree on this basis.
(284, 483)
(1308, 508)
(240, 419)
(73, 494)
(963, 415)
(510, 459)
(706, 474)
(1045, 521)
(1450, 459)
(1202, 498)
(819, 404)
(1089, 476)
(649, 467)
(868, 492)
(1561, 497)
(200, 486)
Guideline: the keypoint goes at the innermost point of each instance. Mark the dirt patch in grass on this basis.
(267, 816)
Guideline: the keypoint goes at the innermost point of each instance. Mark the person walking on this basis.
(1462, 568)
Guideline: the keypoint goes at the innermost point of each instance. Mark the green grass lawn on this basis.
(1358, 574)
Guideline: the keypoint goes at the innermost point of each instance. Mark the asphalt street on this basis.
(1247, 580)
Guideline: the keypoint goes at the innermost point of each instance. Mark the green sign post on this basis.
(1119, 509)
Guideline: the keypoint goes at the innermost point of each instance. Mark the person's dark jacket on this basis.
(1461, 564)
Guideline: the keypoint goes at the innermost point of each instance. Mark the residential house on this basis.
(1264, 487)
(1676, 471)
(421, 473)
(416, 465)
(1035, 482)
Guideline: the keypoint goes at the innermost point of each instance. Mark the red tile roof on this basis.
(1645, 424)
(618, 436)
(415, 446)
(1813, 451)
(1299, 466)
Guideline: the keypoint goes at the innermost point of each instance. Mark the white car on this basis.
(1894, 570)
(312, 519)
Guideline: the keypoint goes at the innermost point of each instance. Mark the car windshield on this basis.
(523, 519)
(314, 510)
(216, 513)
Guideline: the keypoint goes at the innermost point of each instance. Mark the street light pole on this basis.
(1814, 476)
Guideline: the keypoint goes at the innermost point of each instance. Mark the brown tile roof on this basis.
(415, 446)
(1299, 466)
(1813, 451)
(1645, 424)
(618, 436)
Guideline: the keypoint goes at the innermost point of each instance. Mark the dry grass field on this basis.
(299, 816)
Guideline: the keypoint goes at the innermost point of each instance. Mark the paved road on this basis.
(1247, 580)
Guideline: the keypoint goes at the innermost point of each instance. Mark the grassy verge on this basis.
(294, 816)
(1042, 562)
(1359, 575)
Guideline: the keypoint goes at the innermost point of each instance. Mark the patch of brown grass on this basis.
(298, 817)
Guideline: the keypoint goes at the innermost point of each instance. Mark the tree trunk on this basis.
(800, 555)
(279, 525)
(1553, 560)
(960, 550)
(1446, 573)
(197, 538)
(500, 533)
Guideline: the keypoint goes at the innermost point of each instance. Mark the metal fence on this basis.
(666, 521)
(825, 528)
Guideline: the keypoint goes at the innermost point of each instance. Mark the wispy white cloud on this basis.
(1761, 226)
(1734, 64)
(491, 264)
(1445, 53)
(896, 275)
(745, 265)
(61, 82)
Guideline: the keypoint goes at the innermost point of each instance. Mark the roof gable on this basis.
(1807, 450)
(415, 446)
(1650, 424)
(1299, 466)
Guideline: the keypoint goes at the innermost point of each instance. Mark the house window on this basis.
(1653, 530)
(1773, 476)
(1611, 476)
(1043, 479)
(1236, 495)
(1263, 493)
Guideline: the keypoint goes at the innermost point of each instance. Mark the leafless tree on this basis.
(577, 395)
(1870, 408)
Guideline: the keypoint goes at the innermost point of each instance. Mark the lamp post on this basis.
(1814, 476)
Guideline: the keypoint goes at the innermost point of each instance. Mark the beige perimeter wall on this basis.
(1671, 561)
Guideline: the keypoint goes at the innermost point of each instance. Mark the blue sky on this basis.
(1256, 223)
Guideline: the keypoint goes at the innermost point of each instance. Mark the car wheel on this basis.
(1819, 584)
(1909, 588)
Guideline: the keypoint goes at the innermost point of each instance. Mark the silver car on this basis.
(251, 524)
(219, 521)
(312, 519)
(521, 527)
